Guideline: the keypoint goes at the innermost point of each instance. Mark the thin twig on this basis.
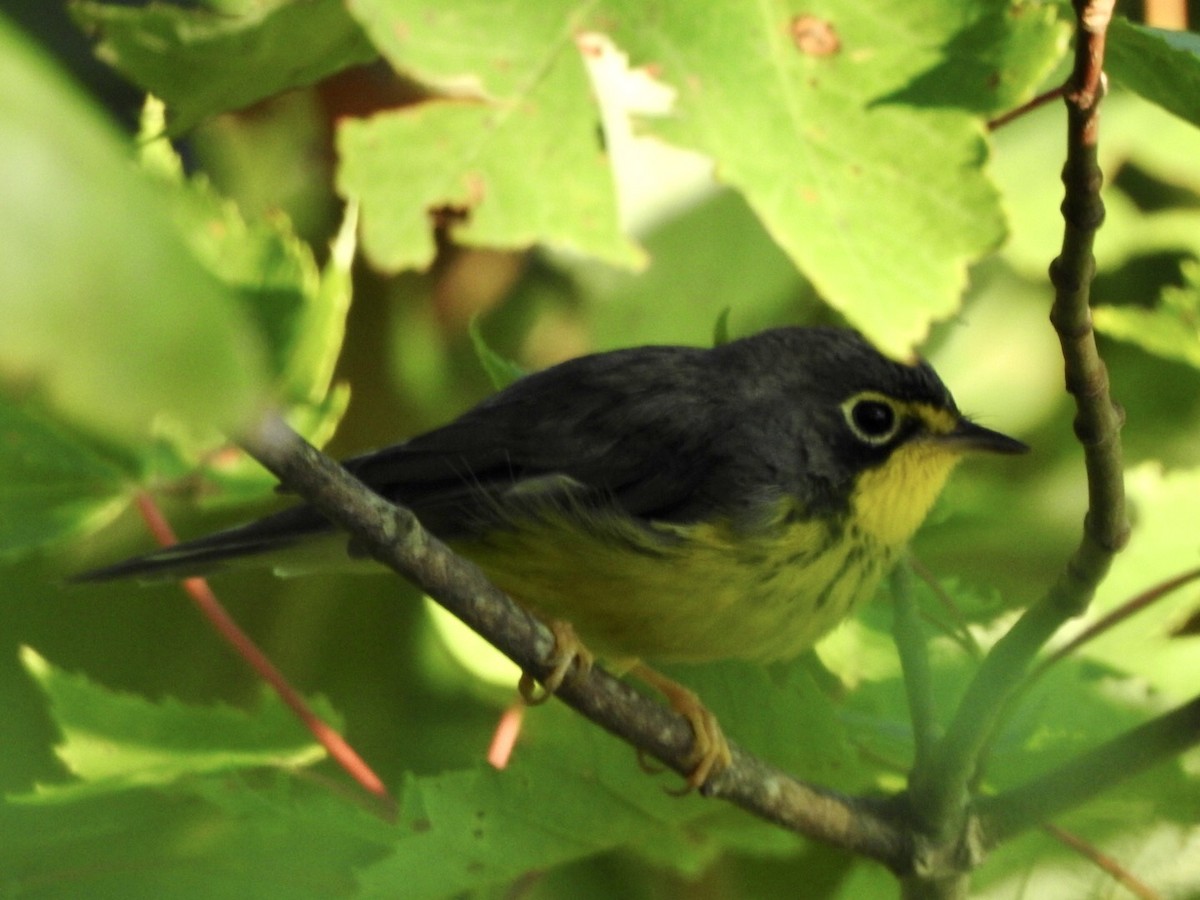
(960, 632)
(1106, 623)
(210, 607)
(1025, 108)
(504, 738)
(914, 662)
(1104, 862)
(1172, 14)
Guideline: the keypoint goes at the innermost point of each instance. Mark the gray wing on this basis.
(632, 428)
(629, 428)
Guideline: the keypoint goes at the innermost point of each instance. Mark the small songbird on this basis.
(667, 503)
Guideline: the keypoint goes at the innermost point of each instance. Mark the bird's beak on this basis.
(967, 436)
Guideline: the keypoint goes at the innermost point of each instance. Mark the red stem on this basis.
(1025, 108)
(210, 607)
(1103, 862)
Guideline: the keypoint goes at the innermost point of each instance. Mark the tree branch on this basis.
(1025, 108)
(939, 791)
(914, 662)
(210, 607)
(1077, 781)
(393, 536)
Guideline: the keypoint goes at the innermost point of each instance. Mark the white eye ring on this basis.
(873, 418)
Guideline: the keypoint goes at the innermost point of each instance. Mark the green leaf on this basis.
(881, 205)
(1074, 707)
(208, 836)
(203, 62)
(713, 257)
(115, 741)
(502, 372)
(1163, 66)
(1160, 855)
(1161, 546)
(99, 288)
(798, 729)
(299, 310)
(512, 156)
(321, 330)
(316, 403)
(572, 791)
(505, 174)
(53, 483)
(1000, 53)
(1170, 330)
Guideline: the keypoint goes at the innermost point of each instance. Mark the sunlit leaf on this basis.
(489, 827)
(205, 61)
(1163, 66)
(114, 741)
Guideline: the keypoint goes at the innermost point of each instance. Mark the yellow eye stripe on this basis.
(937, 419)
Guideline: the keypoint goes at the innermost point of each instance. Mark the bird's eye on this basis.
(873, 418)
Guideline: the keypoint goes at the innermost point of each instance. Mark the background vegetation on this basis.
(570, 177)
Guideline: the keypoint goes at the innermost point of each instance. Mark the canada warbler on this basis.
(670, 503)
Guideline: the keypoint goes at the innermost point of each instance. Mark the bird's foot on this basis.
(568, 653)
(710, 750)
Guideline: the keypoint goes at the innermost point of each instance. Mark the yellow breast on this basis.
(687, 593)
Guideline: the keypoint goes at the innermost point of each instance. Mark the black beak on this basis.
(969, 436)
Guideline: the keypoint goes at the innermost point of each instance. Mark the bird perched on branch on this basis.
(667, 503)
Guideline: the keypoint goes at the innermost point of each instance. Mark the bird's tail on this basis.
(265, 537)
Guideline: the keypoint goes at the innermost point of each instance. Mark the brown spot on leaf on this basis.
(447, 216)
(814, 36)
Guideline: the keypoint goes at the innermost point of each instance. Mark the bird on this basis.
(664, 503)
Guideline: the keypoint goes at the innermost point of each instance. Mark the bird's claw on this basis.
(568, 653)
(710, 750)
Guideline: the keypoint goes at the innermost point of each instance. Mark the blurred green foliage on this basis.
(149, 304)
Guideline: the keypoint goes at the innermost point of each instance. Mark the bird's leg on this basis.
(568, 651)
(710, 750)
